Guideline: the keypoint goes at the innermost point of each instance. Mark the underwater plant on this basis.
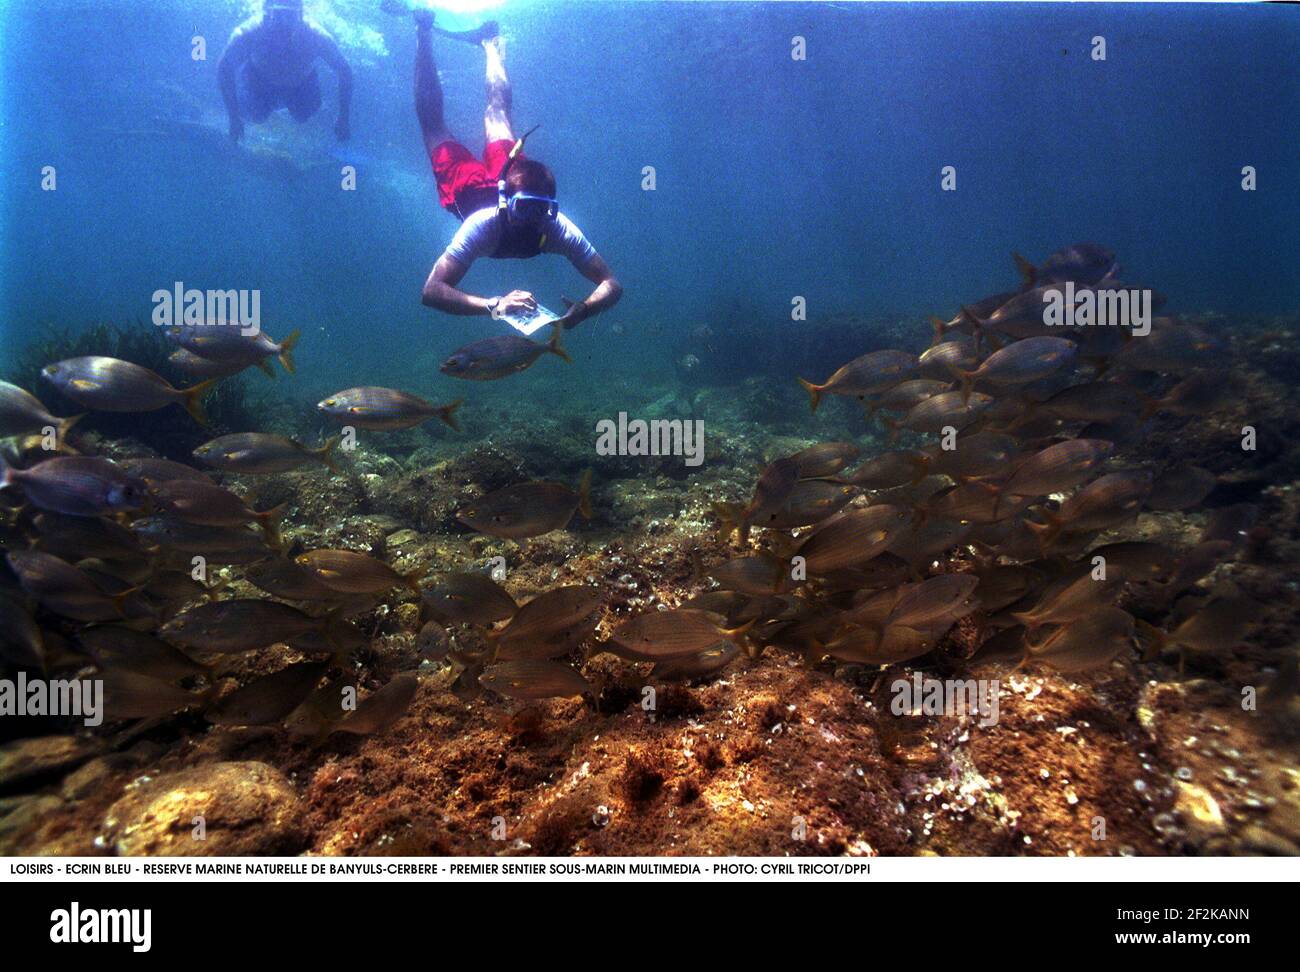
(169, 432)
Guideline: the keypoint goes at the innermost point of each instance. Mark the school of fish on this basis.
(1022, 457)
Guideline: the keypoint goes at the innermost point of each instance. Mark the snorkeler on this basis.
(270, 63)
(506, 202)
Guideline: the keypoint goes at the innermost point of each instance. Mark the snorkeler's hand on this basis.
(517, 302)
(343, 128)
(575, 315)
(236, 129)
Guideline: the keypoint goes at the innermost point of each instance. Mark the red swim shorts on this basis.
(464, 183)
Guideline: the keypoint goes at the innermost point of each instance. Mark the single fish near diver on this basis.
(227, 344)
(112, 385)
(498, 357)
(385, 409)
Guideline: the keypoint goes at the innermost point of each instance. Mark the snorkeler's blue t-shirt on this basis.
(480, 234)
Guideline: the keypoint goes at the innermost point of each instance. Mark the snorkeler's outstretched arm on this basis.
(441, 293)
(328, 51)
(606, 295)
(232, 59)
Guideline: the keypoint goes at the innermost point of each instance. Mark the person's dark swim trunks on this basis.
(259, 97)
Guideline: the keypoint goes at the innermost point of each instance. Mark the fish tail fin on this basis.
(286, 350)
(448, 413)
(65, 426)
(967, 381)
(553, 345)
(1027, 270)
(121, 599)
(940, 327)
(269, 521)
(814, 393)
(737, 635)
(813, 653)
(193, 400)
(266, 368)
(326, 453)
(1046, 532)
(1156, 640)
(584, 494)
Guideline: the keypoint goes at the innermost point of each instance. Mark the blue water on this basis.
(775, 178)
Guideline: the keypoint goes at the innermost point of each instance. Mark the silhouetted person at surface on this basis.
(270, 63)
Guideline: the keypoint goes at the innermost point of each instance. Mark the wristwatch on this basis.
(492, 305)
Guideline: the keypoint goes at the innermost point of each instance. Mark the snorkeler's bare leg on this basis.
(496, 118)
(428, 89)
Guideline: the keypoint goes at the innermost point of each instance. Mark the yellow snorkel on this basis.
(515, 150)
